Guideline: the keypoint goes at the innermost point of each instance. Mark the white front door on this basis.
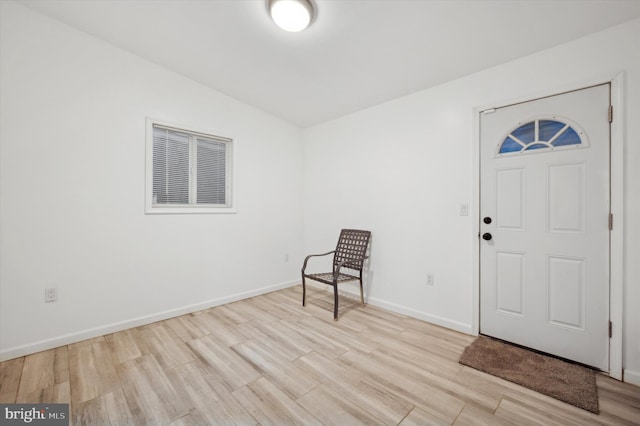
(544, 225)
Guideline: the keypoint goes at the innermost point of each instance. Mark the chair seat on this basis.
(327, 277)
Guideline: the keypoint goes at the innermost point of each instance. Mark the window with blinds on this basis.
(190, 171)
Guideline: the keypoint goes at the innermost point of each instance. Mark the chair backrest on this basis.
(352, 244)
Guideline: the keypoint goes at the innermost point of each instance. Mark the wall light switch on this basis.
(464, 209)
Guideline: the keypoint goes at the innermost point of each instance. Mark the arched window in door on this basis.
(541, 134)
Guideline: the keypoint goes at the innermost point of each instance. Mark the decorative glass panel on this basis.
(548, 129)
(540, 134)
(568, 137)
(536, 145)
(525, 133)
(509, 145)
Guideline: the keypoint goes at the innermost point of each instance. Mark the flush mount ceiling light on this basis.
(291, 15)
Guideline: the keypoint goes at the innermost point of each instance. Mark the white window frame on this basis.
(192, 208)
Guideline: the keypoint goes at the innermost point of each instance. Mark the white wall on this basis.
(72, 115)
(72, 191)
(402, 169)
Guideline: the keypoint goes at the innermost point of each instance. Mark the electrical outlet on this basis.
(429, 279)
(50, 295)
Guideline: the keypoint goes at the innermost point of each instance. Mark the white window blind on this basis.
(170, 167)
(211, 175)
(189, 169)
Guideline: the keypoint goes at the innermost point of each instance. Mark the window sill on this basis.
(189, 210)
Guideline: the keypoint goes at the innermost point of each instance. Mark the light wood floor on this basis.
(268, 360)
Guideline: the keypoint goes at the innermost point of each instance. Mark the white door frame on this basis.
(616, 264)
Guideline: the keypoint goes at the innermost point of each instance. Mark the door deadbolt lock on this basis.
(487, 220)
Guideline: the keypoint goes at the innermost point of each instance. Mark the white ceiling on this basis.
(356, 54)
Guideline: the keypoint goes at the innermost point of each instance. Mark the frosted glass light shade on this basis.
(291, 15)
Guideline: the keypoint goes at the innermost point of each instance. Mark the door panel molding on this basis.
(565, 181)
(510, 301)
(563, 275)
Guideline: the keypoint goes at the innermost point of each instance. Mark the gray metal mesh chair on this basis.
(350, 253)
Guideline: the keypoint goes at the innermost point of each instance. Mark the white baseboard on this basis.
(632, 377)
(399, 309)
(67, 339)
(433, 319)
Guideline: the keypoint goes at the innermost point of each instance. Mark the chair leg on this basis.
(304, 291)
(335, 302)
(361, 294)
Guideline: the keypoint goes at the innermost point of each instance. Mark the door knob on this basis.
(487, 220)
(486, 236)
